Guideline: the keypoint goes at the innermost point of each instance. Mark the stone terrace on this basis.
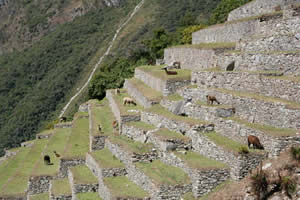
(173, 144)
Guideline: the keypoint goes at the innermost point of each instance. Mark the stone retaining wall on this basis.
(276, 114)
(134, 133)
(230, 32)
(80, 188)
(65, 163)
(166, 87)
(203, 180)
(194, 58)
(39, 184)
(16, 197)
(99, 172)
(117, 113)
(243, 81)
(138, 96)
(43, 136)
(64, 125)
(258, 7)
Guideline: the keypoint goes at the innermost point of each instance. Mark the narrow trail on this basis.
(136, 9)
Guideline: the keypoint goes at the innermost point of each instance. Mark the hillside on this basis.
(182, 132)
(36, 81)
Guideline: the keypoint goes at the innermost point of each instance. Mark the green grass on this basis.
(61, 187)
(9, 167)
(192, 86)
(161, 173)
(121, 186)
(83, 175)
(43, 196)
(141, 125)
(286, 78)
(101, 114)
(147, 91)
(202, 103)
(156, 71)
(106, 159)
(46, 132)
(88, 196)
(56, 143)
(124, 109)
(289, 104)
(19, 181)
(220, 45)
(197, 161)
(131, 145)
(78, 143)
(224, 142)
(164, 133)
(270, 130)
(159, 110)
(174, 97)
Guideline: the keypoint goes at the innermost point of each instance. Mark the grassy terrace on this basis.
(43, 196)
(165, 134)
(182, 74)
(61, 187)
(18, 183)
(161, 173)
(56, 143)
(121, 186)
(101, 114)
(147, 91)
(88, 196)
(124, 109)
(159, 110)
(9, 167)
(202, 103)
(289, 104)
(141, 125)
(197, 161)
(220, 45)
(46, 132)
(106, 159)
(78, 143)
(226, 143)
(83, 175)
(174, 97)
(130, 145)
(270, 130)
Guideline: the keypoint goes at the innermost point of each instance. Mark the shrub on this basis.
(289, 185)
(243, 150)
(295, 151)
(187, 33)
(260, 183)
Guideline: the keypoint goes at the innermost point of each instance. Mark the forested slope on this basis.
(37, 81)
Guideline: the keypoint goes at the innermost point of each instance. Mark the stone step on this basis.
(204, 141)
(263, 83)
(253, 107)
(234, 30)
(121, 187)
(60, 189)
(283, 61)
(44, 134)
(104, 164)
(123, 113)
(82, 180)
(157, 79)
(161, 181)
(144, 95)
(88, 196)
(42, 196)
(77, 144)
(17, 184)
(100, 114)
(199, 56)
(41, 175)
(255, 8)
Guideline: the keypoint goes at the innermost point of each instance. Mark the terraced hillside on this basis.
(172, 144)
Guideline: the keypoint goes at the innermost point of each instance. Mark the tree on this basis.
(187, 33)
